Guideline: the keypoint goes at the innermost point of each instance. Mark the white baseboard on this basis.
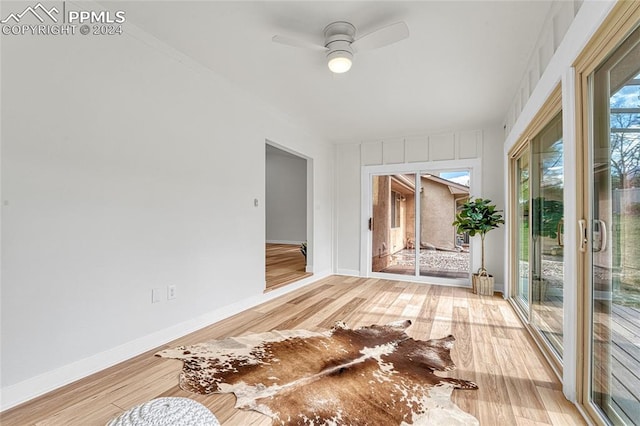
(13, 395)
(348, 272)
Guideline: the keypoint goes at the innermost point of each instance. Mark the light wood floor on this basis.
(492, 348)
(284, 264)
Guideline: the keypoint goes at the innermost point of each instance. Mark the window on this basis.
(396, 209)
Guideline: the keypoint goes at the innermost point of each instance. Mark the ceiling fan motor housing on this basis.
(338, 37)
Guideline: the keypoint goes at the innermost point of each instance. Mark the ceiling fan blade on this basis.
(382, 37)
(297, 43)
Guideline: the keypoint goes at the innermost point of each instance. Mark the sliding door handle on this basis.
(599, 235)
(603, 235)
(582, 224)
(370, 224)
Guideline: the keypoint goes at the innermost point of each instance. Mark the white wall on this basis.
(552, 34)
(348, 209)
(493, 183)
(485, 145)
(127, 166)
(286, 197)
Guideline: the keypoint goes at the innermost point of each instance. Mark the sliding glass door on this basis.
(547, 244)
(411, 231)
(614, 231)
(538, 233)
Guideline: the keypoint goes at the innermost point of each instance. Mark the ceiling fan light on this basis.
(339, 65)
(340, 62)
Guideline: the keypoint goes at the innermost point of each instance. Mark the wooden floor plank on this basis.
(558, 408)
(284, 264)
(492, 349)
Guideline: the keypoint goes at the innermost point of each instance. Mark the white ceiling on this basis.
(459, 69)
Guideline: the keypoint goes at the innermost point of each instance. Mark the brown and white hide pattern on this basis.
(374, 375)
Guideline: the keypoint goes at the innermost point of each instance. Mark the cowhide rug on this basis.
(374, 375)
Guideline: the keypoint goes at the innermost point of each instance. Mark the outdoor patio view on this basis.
(396, 244)
(615, 233)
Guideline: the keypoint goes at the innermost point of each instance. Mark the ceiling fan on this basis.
(340, 42)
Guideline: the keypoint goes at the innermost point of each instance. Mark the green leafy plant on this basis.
(547, 215)
(478, 216)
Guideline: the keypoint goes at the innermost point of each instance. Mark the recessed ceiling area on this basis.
(459, 68)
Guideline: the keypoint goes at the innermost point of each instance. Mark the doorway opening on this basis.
(287, 248)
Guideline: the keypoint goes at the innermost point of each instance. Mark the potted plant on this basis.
(479, 216)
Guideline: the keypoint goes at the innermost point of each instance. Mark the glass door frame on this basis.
(620, 23)
(474, 166)
(551, 108)
(514, 232)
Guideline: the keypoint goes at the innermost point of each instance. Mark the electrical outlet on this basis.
(171, 292)
(156, 294)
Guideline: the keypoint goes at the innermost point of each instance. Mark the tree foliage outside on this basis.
(547, 216)
(624, 144)
(625, 137)
(478, 216)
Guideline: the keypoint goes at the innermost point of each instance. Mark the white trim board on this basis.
(348, 272)
(297, 243)
(11, 396)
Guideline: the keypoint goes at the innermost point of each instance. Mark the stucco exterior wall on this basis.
(436, 215)
(381, 222)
